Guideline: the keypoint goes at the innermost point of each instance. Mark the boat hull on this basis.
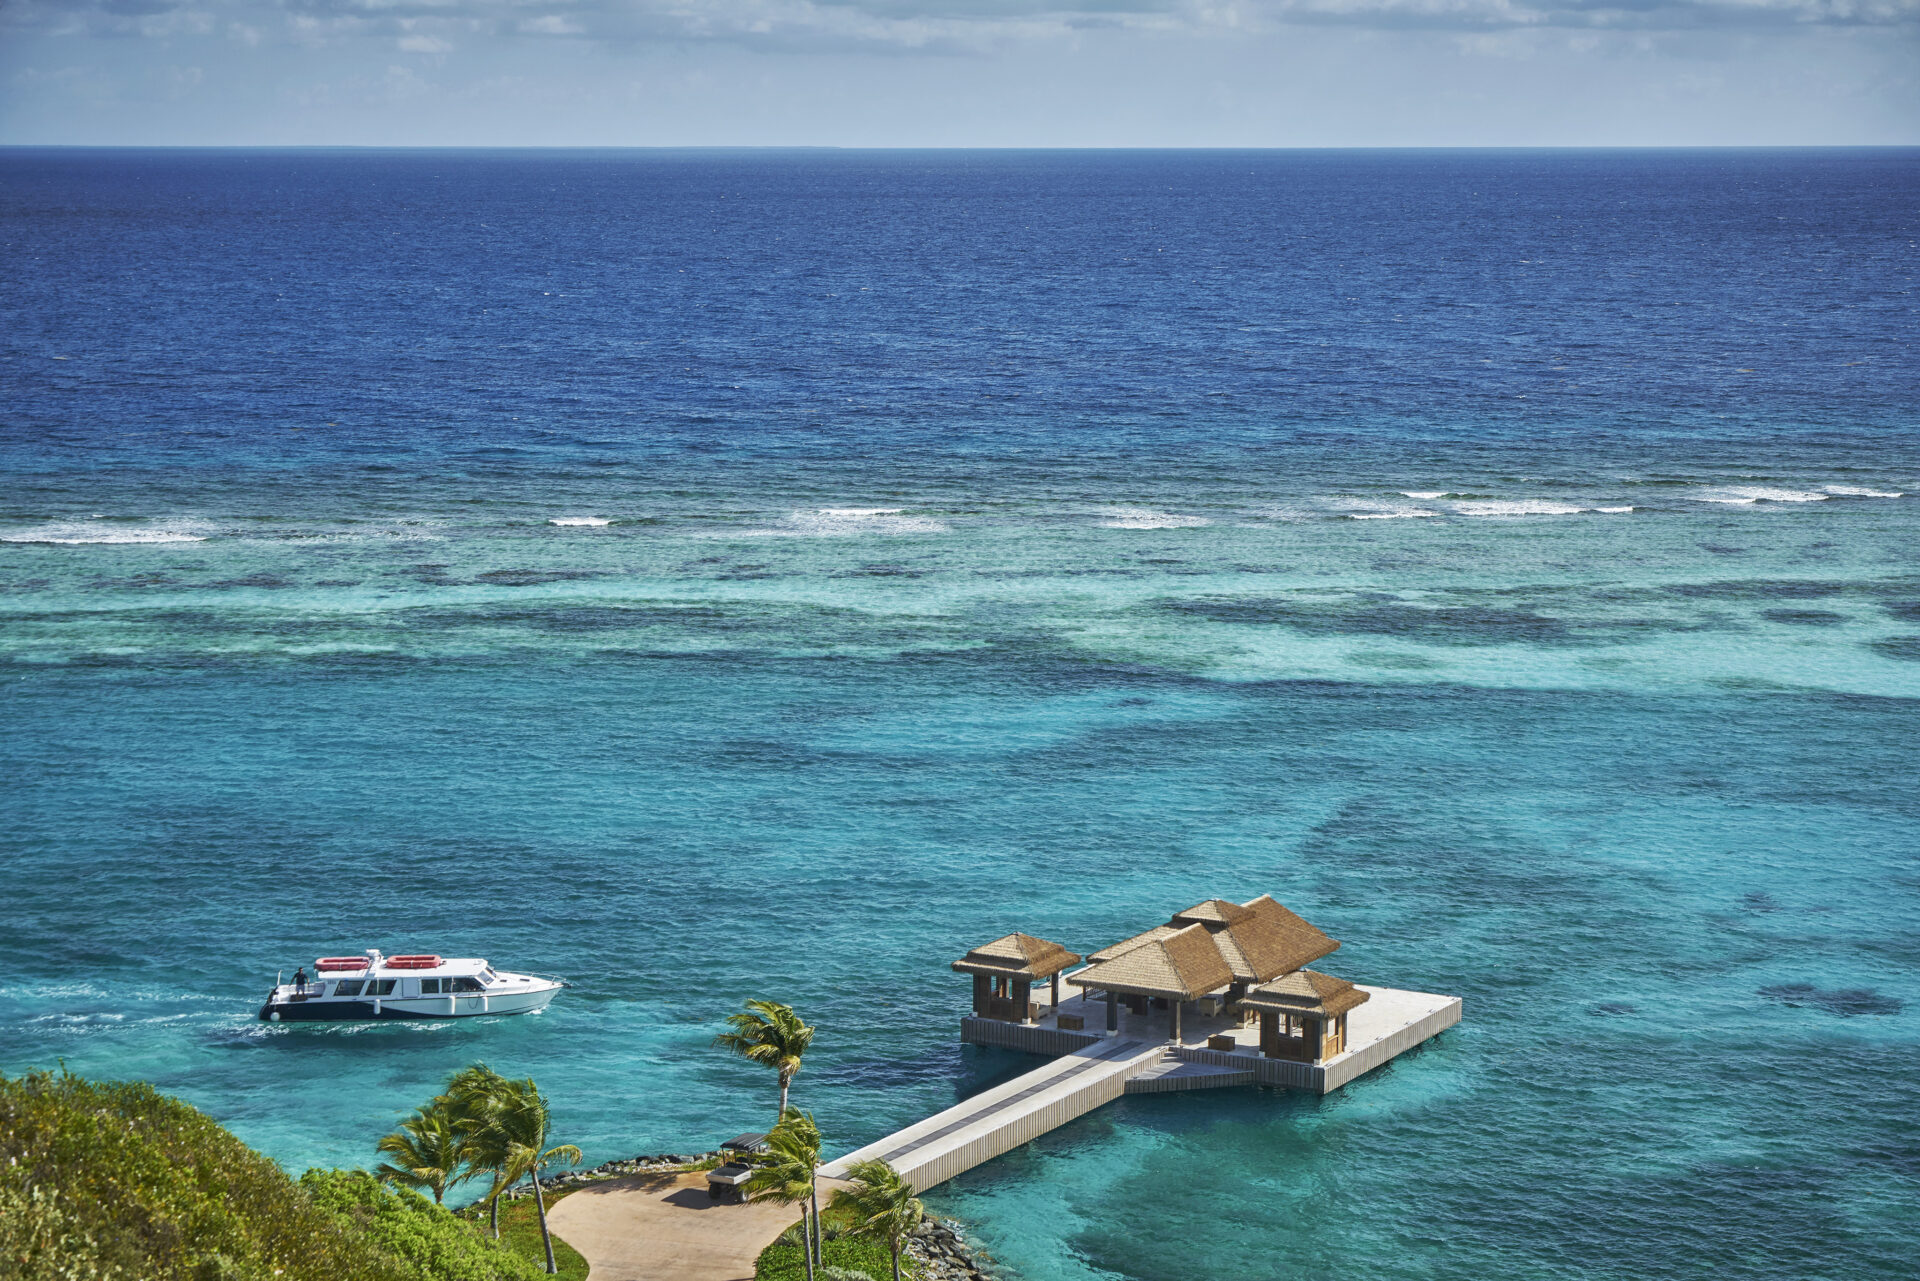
(419, 1007)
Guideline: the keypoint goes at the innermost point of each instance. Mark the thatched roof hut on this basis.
(1017, 956)
(1282, 940)
(1181, 965)
(1128, 944)
(1305, 992)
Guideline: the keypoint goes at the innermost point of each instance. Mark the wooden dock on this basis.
(1089, 1068)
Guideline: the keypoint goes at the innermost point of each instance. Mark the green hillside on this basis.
(117, 1182)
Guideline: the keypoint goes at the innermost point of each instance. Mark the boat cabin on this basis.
(397, 977)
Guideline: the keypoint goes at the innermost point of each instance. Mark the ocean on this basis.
(717, 575)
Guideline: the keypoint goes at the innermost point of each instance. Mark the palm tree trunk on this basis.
(806, 1242)
(819, 1237)
(786, 1083)
(493, 1210)
(546, 1237)
(895, 1243)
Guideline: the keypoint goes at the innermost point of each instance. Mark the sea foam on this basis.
(83, 535)
(1147, 518)
(1525, 507)
(1747, 495)
(1859, 491)
(594, 521)
(831, 522)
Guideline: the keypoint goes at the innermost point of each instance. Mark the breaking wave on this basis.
(82, 535)
(1147, 518)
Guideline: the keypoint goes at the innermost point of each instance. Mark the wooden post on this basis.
(982, 994)
(1269, 1034)
(1056, 989)
(1023, 1000)
(1174, 1019)
(1113, 1014)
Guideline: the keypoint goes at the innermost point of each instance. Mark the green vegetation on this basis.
(519, 1228)
(880, 1205)
(117, 1182)
(785, 1175)
(426, 1152)
(772, 1035)
(863, 1256)
(408, 1226)
(482, 1123)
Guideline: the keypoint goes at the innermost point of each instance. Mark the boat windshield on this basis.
(488, 976)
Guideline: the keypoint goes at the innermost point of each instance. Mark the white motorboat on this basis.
(404, 987)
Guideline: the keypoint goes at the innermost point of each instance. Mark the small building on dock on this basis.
(1005, 970)
(1303, 1015)
(1219, 978)
(1217, 997)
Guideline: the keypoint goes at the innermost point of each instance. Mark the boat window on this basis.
(347, 987)
(429, 987)
(380, 987)
(464, 985)
(488, 975)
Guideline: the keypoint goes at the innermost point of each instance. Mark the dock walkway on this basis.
(1091, 1069)
(1001, 1119)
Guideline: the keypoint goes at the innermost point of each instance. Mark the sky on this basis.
(945, 73)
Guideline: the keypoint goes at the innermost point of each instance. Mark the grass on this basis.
(520, 1232)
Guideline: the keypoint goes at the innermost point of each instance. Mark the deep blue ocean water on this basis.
(1511, 561)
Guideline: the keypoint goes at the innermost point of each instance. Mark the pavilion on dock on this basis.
(1237, 965)
(1005, 970)
(1303, 1015)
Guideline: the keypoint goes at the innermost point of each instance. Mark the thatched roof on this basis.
(1128, 944)
(1214, 912)
(1276, 941)
(1305, 992)
(1017, 956)
(1181, 966)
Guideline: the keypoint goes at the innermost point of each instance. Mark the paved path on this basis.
(662, 1227)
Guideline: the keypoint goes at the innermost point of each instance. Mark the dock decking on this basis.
(1001, 1119)
(1090, 1068)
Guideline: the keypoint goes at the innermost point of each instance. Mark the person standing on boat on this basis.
(300, 979)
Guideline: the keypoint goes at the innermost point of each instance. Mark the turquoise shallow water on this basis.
(1601, 715)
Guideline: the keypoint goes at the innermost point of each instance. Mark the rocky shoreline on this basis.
(942, 1252)
(661, 1163)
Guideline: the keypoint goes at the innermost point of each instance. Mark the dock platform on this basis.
(1089, 1068)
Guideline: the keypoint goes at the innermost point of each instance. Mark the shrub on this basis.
(410, 1227)
(864, 1258)
(116, 1182)
(104, 1181)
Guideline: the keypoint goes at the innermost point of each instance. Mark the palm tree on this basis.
(427, 1152)
(784, 1175)
(771, 1034)
(521, 1124)
(882, 1204)
(475, 1096)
